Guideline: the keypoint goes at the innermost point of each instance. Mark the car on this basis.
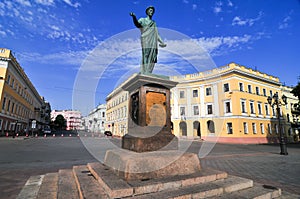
(47, 131)
(107, 133)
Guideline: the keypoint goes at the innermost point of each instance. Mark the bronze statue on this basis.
(149, 40)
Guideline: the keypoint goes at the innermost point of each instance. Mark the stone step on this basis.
(116, 187)
(87, 185)
(31, 187)
(204, 190)
(258, 191)
(67, 187)
(49, 187)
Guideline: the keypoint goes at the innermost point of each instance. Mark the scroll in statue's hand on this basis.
(163, 45)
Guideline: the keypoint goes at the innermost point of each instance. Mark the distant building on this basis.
(20, 102)
(73, 118)
(95, 121)
(117, 112)
(291, 126)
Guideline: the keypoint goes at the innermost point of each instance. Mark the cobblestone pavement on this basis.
(261, 163)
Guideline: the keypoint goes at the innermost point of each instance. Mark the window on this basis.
(241, 85)
(273, 112)
(271, 93)
(249, 89)
(257, 90)
(196, 110)
(252, 107)
(267, 109)
(269, 129)
(288, 117)
(8, 105)
(181, 94)
(182, 111)
(264, 92)
(195, 93)
(276, 128)
(12, 83)
(229, 128)
(208, 91)
(227, 107)
(103, 114)
(209, 109)
(4, 102)
(245, 125)
(243, 106)
(259, 108)
(226, 87)
(254, 128)
(262, 129)
(8, 79)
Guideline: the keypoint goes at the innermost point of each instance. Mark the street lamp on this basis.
(275, 101)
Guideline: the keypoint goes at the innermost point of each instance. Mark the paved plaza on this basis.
(21, 158)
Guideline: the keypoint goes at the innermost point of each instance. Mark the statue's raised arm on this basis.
(149, 40)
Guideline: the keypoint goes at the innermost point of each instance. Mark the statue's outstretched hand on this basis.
(162, 45)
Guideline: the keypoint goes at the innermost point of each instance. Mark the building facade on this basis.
(117, 112)
(95, 121)
(73, 118)
(227, 104)
(291, 126)
(20, 102)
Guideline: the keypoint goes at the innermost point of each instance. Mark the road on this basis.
(20, 159)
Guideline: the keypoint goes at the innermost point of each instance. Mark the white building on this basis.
(95, 121)
(73, 118)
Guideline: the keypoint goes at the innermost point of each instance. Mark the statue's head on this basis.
(148, 10)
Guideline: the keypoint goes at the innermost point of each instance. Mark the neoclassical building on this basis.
(94, 122)
(20, 101)
(227, 104)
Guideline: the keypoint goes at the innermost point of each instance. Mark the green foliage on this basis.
(296, 90)
(60, 122)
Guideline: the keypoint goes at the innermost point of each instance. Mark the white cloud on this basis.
(237, 20)
(2, 33)
(194, 6)
(217, 9)
(284, 23)
(229, 3)
(24, 2)
(45, 2)
(185, 1)
(69, 2)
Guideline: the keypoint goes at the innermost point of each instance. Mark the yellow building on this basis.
(226, 104)
(20, 101)
(117, 112)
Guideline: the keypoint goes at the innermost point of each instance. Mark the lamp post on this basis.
(275, 101)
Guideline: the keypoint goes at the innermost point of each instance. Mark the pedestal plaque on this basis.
(149, 125)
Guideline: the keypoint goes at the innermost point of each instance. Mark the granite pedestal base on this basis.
(130, 165)
(140, 143)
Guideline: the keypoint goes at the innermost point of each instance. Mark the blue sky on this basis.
(54, 40)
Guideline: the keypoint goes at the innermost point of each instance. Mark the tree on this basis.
(60, 122)
(296, 90)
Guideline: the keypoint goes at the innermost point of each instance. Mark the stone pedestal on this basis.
(150, 149)
(130, 165)
(149, 121)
